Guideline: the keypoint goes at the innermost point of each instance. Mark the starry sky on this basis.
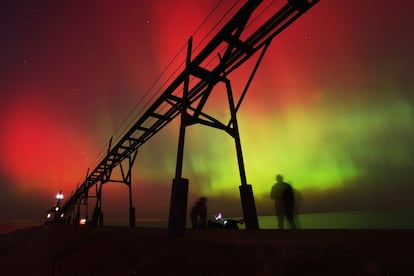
(331, 107)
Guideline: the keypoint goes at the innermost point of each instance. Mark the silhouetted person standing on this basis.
(282, 194)
(199, 214)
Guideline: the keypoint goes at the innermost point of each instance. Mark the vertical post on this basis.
(87, 200)
(179, 193)
(97, 216)
(131, 208)
(178, 208)
(129, 183)
(86, 206)
(236, 134)
(77, 218)
(249, 207)
(246, 191)
(184, 102)
(101, 218)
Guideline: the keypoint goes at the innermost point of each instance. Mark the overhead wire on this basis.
(157, 92)
(150, 100)
(130, 119)
(125, 126)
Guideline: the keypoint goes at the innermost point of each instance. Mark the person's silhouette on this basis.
(199, 214)
(283, 195)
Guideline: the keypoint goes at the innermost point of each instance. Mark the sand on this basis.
(70, 250)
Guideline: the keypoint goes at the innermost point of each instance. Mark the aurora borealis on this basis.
(331, 107)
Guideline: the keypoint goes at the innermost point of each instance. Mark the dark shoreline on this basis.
(11, 227)
(70, 250)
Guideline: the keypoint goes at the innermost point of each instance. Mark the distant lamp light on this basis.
(49, 215)
(82, 221)
(59, 196)
(57, 209)
(62, 215)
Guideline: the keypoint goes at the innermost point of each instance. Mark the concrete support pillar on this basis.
(131, 217)
(249, 207)
(178, 208)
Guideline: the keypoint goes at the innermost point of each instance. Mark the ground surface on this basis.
(69, 250)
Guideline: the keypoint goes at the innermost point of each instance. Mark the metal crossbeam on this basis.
(167, 106)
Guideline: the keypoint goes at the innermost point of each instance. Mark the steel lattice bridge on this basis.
(186, 100)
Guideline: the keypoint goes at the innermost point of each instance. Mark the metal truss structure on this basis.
(188, 98)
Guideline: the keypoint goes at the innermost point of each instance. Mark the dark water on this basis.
(394, 219)
(389, 219)
(7, 228)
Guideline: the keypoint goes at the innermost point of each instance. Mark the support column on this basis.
(97, 216)
(178, 208)
(127, 180)
(132, 217)
(131, 208)
(246, 191)
(77, 218)
(179, 193)
(249, 207)
(86, 201)
(101, 218)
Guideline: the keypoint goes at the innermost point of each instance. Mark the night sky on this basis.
(331, 107)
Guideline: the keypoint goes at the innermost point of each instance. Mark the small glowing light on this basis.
(62, 215)
(49, 215)
(218, 216)
(57, 209)
(59, 196)
(82, 221)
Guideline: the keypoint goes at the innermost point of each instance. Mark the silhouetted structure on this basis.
(284, 197)
(199, 214)
(207, 68)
